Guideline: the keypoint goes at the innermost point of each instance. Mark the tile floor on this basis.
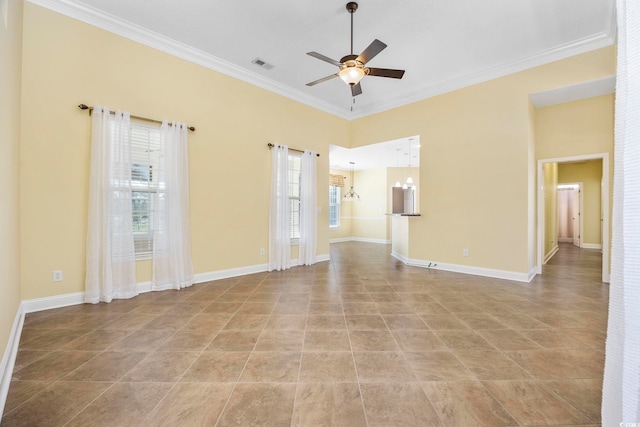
(362, 340)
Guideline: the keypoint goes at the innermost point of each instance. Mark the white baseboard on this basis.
(56, 301)
(65, 300)
(592, 246)
(367, 240)
(467, 269)
(551, 254)
(9, 357)
(360, 239)
(340, 240)
(399, 257)
(231, 272)
(565, 239)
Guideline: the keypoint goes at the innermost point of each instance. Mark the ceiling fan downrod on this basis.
(351, 8)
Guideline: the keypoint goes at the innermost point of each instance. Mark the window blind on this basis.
(145, 174)
(336, 180)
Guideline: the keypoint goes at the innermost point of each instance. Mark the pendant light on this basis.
(351, 194)
(409, 183)
(398, 165)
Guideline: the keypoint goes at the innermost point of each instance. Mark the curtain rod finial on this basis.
(83, 107)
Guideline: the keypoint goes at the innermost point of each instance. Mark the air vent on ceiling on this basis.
(262, 63)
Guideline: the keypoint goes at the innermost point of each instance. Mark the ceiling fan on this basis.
(353, 67)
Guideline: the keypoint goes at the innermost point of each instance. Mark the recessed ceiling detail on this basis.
(452, 44)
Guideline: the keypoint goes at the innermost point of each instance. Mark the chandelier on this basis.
(352, 195)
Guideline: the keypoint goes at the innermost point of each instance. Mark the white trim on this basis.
(323, 258)
(230, 272)
(368, 240)
(399, 257)
(591, 246)
(100, 19)
(360, 239)
(468, 269)
(340, 240)
(56, 301)
(9, 357)
(605, 207)
(553, 251)
(376, 218)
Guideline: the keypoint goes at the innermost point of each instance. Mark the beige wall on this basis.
(344, 231)
(369, 219)
(476, 183)
(550, 208)
(590, 175)
(10, 75)
(67, 62)
(577, 128)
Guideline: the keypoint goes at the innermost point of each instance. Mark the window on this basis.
(295, 163)
(334, 206)
(145, 161)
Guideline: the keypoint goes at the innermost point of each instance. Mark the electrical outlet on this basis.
(262, 251)
(57, 276)
(465, 252)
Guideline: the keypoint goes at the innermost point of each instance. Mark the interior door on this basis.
(575, 209)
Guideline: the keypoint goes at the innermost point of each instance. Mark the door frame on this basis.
(606, 242)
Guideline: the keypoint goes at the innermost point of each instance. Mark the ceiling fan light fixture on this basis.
(351, 75)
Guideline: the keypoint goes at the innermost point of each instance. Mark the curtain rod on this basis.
(270, 145)
(85, 107)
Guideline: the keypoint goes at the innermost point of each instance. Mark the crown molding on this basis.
(105, 21)
(560, 52)
(157, 41)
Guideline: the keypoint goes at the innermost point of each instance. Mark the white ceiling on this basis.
(443, 45)
(399, 153)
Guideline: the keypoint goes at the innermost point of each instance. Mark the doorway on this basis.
(541, 229)
(570, 207)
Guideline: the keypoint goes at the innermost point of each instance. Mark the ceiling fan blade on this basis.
(372, 50)
(324, 79)
(386, 72)
(324, 58)
(356, 89)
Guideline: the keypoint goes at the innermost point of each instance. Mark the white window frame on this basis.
(334, 204)
(149, 186)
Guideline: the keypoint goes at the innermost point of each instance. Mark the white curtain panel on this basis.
(621, 392)
(110, 253)
(172, 265)
(308, 210)
(279, 213)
